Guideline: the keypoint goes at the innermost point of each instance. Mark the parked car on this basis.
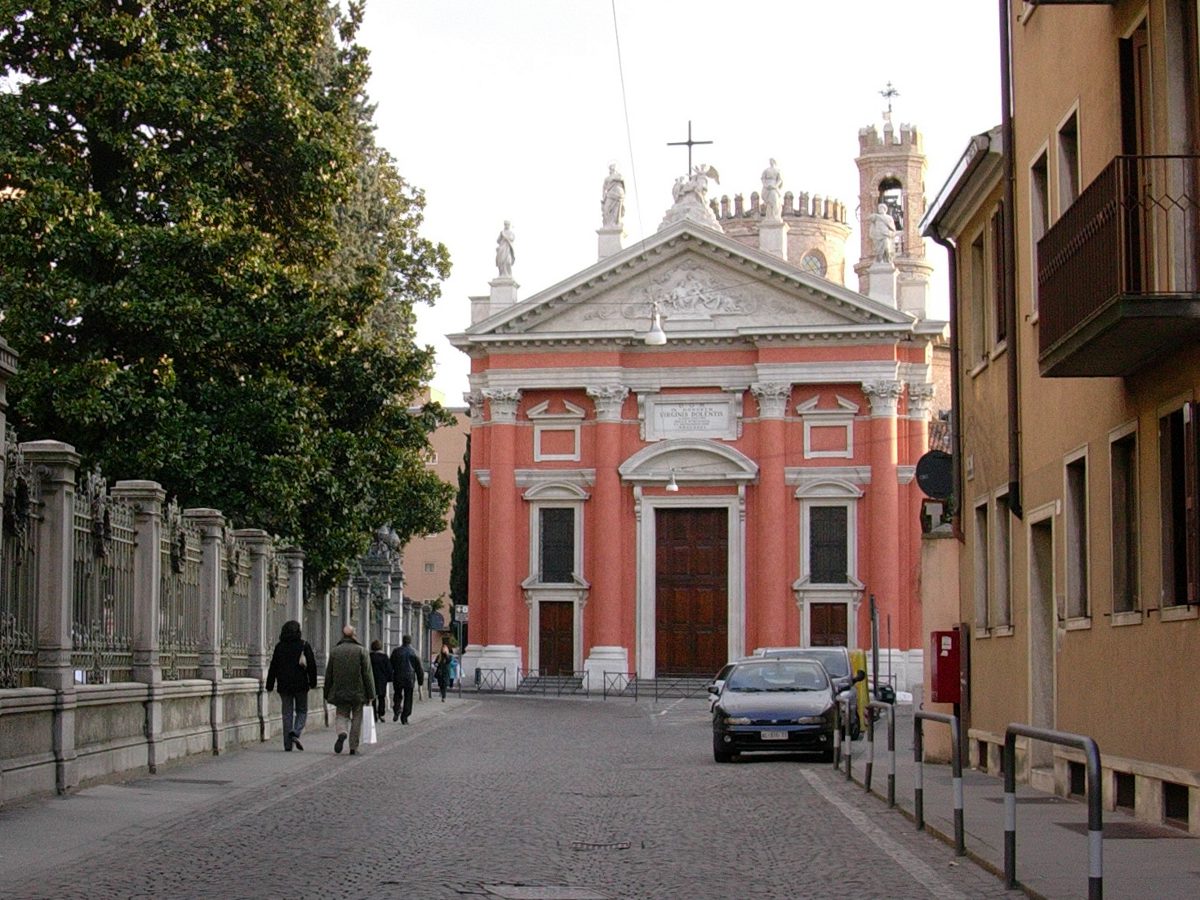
(773, 705)
(836, 661)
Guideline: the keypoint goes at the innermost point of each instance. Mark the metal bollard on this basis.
(849, 742)
(837, 735)
(890, 712)
(955, 769)
(919, 789)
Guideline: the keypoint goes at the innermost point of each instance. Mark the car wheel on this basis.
(721, 753)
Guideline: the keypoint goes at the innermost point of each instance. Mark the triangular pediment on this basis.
(704, 283)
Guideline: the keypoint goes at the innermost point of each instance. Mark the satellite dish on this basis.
(935, 474)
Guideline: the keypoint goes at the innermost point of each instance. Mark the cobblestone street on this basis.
(492, 796)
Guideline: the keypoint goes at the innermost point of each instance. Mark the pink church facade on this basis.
(662, 509)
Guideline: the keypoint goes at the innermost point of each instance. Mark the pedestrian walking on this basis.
(294, 669)
(406, 668)
(349, 685)
(441, 670)
(381, 670)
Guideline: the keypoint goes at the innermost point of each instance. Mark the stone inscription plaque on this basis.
(678, 417)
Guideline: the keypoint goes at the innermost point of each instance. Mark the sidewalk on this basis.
(1140, 860)
(43, 833)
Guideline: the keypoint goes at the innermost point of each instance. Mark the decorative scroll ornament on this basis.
(95, 492)
(273, 577)
(13, 641)
(176, 536)
(233, 558)
(19, 492)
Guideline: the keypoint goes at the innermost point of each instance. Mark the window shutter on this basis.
(1190, 461)
(828, 556)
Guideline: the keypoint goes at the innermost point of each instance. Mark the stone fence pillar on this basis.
(146, 498)
(362, 593)
(211, 525)
(258, 544)
(295, 566)
(56, 463)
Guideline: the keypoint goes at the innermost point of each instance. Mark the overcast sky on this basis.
(513, 109)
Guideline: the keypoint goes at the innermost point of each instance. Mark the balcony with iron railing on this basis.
(1117, 274)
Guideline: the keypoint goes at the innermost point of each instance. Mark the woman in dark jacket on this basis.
(381, 669)
(294, 666)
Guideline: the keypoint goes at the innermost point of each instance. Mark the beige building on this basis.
(1077, 378)
(427, 559)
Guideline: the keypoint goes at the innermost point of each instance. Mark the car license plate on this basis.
(773, 735)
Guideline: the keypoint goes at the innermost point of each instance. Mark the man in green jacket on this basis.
(348, 686)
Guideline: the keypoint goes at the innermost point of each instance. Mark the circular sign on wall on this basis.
(436, 621)
(935, 474)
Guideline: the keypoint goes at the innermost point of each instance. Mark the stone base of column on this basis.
(503, 657)
(605, 659)
(610, 240)
(772, 238)
(881, 282)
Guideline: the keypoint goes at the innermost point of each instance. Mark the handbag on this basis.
(368, 726)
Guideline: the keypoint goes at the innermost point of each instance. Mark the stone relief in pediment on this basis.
(694, 295)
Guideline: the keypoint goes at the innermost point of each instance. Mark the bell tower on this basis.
(891, 172)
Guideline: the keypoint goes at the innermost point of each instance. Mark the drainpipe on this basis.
(955, 385)
(1010, 264)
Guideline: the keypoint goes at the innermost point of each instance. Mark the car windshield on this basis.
(832, 658)
(799, 675)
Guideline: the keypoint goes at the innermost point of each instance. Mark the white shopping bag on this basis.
(368, 726)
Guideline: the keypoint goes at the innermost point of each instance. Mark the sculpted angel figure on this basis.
(772, 198)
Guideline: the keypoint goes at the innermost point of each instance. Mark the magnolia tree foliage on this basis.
(208, 267)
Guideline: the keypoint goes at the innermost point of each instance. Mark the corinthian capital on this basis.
(503, 403)
(920, 400)
(608, 399)
(474, 401)
(884, 396)
(772, 398)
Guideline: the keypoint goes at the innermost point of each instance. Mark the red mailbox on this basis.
(944, 668)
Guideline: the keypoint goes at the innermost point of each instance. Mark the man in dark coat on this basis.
(349, 685)
(381, 668)
(406, 667)
(294, 667)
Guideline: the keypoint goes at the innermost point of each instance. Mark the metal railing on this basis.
(102, 606)
(1091, 752)
(620, 684)
(919, 716)
(490, 680)
(534, 681)
(1135, 230)
(680, 684)
(889, 710)
(18, 571)
(181, 628)
(235, 610)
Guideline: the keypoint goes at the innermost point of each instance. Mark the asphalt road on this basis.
(491, 796)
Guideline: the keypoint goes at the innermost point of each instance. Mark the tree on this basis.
(460, 530)
(210, 273)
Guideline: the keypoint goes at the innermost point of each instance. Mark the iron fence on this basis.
(18, 574)
(180, 625)
(277, 595)
(534, 681)
(620, 684)
(235, 610)
(102, 606)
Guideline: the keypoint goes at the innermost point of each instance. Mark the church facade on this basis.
(700, 445)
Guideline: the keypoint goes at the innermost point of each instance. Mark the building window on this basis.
(1177, 468)
(828, 544)
(1123, 460)
(1068, 162)
(1077, 538)
(978, 305)
(1002, 610)
(428, 567)
(1039, 210)
(813, 262)
(981, 567)
(997, 236)
(556, 543)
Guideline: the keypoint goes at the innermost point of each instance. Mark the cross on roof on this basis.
(689, 143)
(887, 94)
